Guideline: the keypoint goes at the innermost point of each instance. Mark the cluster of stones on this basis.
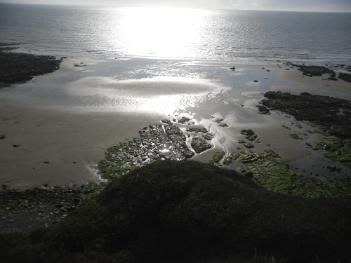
(250, 137)
(201, 139)
(220, 122)
(164, 141)
(39, 207)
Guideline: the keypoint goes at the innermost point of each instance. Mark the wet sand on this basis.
(58, 126)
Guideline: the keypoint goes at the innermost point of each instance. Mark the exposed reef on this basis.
(20, 67)
(164, 141)
(271, 172)
(312, 71)
(345, 76)
(332, 114)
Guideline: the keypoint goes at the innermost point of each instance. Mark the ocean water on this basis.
(177, 33)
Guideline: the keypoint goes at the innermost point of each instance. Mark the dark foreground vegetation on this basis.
(20, 67)
(190, 212)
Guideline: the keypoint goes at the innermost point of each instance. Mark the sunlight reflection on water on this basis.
(161, 95)
(161, 32)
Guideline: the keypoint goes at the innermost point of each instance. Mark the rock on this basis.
(16, 145)
(232, 68)
(199, 144)
(262, 109)
(2, 136)
(20, 67)
(197, 128)
(312, 71)
(249, 134)
(81, 64)
(332, 114)
(183, 120)
(345, 77)
(223, 125)
(249, 145)
(219, 120)
(208, 136)
(166, 121)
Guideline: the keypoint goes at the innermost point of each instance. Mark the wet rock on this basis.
(197, 129)
(19, 67)
(79, 65)
(208, 136)
(232, 68)
(345, 77)
(218, 120)
(164, 141)
(312, 71)
(249, 134)
(249, 145)
(199, 144)
(262, 109)
(166, 121)
(332, 114)
(223, 125)
(183, 120)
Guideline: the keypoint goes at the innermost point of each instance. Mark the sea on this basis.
(175, 33)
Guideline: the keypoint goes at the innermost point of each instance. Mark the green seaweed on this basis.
(336, 149)
(295, 136)
(115, 163)
(217, 157)
(271, 172)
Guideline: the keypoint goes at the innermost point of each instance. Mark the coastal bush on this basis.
(190, 212)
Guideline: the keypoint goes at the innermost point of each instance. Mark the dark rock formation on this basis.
(19, 67)
(332, 114)
(345, 77)
(200, 144)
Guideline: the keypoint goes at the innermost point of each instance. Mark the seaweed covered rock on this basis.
(333, 114)
(345, 76)
(314, 70)
(20, 67)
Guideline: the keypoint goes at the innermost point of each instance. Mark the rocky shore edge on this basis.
(21, 67)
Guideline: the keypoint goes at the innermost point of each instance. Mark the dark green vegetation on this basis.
(190, 212)
(19, 67)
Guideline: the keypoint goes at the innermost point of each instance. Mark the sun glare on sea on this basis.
(157, 32)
